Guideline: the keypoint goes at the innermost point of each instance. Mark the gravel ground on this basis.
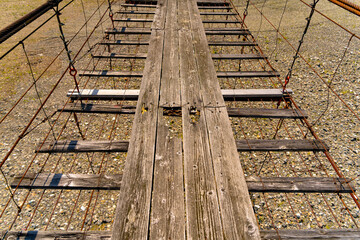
(74, 210)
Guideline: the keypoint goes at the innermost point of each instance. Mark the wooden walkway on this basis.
(188, 184)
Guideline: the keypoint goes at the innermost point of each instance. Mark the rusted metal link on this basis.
(27, 19)
(351, 7)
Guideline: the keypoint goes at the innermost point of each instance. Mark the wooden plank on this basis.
(233, 112)
(168, 167)
(132, 20)
(215, 7)
(254, 94)
(290, 234)
(237, 33)
(298, 185)
(242, 43)
(132, 213)
(105, 94)
(170, 86)
(203, 220)
(83, 146)
(135, 12)
(121, 56)
(237, 217)
(67, 181)
(228, 94)
(220, 21)
(167, 208)
(138, 5)
(237, 56)
(127, 30)
(281, 145)
(248, 74)
(98, 108)
(56, 235)
(218, 14)
(124, 42)
(109, 73)
(267, 113)
(242, 146)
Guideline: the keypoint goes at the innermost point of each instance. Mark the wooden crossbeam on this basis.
(218, 13)
(138, 5)
(124, 42)
(127, 30)
(334, 234)
(281, 145)
(113, 182)
(237, 56)
(233, 112)
(230, 32)
(133, 20)
(134, 12)
(228, 94)
(267, 113)
(242, 43)
(220, 21)
(83, 146)
(242, 146)
(121, 56)
(109, 73)
(247, 74)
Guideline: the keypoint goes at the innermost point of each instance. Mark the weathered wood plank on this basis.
(242, 43)
(233, 112)
(124, 42)
(167, 208)
(135, 12)
(67, 181)
(231, 32)
(83, 146)
(98, 108)
(267, 113)
(290, 234)
(138, 5)
(56, 235)
(218, 13)
(237, 57)
(247, 74)
(298, 185)
(121, 56)
(333, 234)
(108, 73)
(203, 220)
(132, 94)
(169, 166)
(133, 20)
(237, 217)
(170, 86)
(133, 208)
(281, 145)
(127, 30)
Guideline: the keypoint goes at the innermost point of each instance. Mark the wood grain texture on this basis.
(267, 113)
(133, 208)
(98, 108)
(83, 146)
(333, 234)
(238, 219)
(247, 74)
(298, 185)
(203, 220)
(56, 235)
(67, 181)
(108, 73)
(281, 145)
